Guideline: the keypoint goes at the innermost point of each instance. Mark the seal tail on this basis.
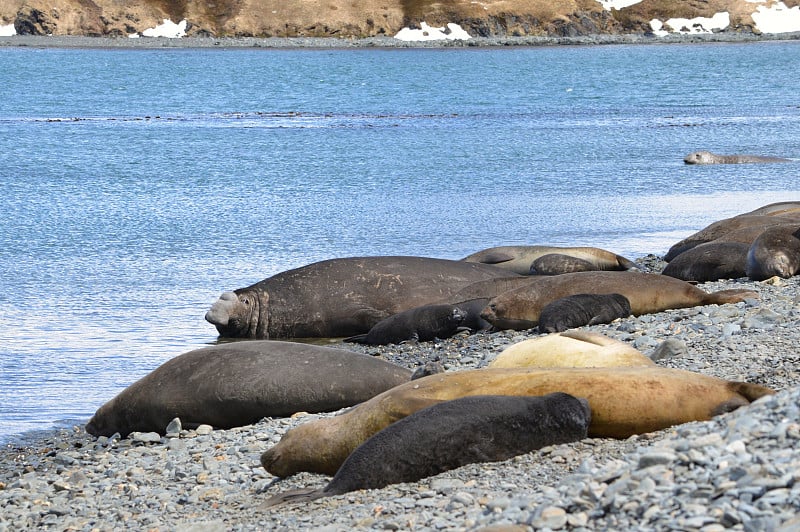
(734, 295)
(357, 339)
(293, 496)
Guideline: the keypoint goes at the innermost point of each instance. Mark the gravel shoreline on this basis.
(738, 471)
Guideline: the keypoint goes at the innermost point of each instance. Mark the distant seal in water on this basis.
(776, 252)
(421, 324)
(710, 262)
(341, 297)
(239, 383)
(706, 157)
(556, 264)
(647, 293)
(583, 309)
(570, 349)
(451, 434)
(624, 402)
(519, 259)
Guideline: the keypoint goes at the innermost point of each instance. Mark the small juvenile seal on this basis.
(519, 259)
(236, 384)
(710, 262)
(776, 252)
(706, 157)
(583, 309)
(570, 349)
(451, 434)
(556, 264)
(624, 402)
(421, 324)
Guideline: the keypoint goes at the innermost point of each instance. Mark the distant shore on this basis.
(69, 41)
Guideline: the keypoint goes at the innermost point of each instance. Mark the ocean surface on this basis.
(137, 185)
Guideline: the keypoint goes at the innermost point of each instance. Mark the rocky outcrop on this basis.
(360, 18)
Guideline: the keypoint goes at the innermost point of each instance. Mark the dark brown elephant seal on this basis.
(624, 401)
(710, 262)
(776, 252)
(239, 383)
(421, 324)
(451, 434)
(556, 264)
(518, 259)
(706, 157)
(583, 309)
(341, 297)
(647, 292)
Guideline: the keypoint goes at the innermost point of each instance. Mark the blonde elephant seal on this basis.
(519, 259)
(623, 402)
(570, 349)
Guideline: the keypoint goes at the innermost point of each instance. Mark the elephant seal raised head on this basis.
(706, 157)
(342, 297)
(422, 324)
(776, 252)
(451, 434)
(239, 383)
(519, 259)
(709, 262)
(583, 309)
(647, 293)
(623, 401)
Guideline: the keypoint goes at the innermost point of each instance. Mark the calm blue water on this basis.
(136, 185)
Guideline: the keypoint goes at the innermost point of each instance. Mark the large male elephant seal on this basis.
(341, 297)
(624, 402)
(711, 261)
(570, 349)
(706, 157)
(451, 434)
(583, 309)
(647, 293)
(776, 252)
(519, 259)
(417, 324)
(239, 383)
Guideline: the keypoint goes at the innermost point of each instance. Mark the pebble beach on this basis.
(738, 471)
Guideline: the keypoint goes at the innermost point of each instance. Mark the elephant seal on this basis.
(776, 252)
(472, 314)
(647, 292)
(710, 262)
(451, 434)
(518, 259)
(239, 383)
(570, 349)
(583, 309)
(706, 157)
(780, 208)
(341, 297)
(556, 264)
(417, 324)
(624, 402)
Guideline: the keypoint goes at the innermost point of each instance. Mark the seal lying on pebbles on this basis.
(624, 402)
(583, 309)
(776, 252)
(417, 324)
(647, 293)
(709, 262)
(519, 259)
(236, 384)
(481, 428)
(341, 297)
(707, 157)
(570, 349)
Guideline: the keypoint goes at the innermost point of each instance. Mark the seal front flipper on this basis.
(293, 496)
(496, 257)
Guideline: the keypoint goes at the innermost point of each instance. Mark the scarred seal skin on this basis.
(447, 435)
(239, 383)
(776, 252)
(417, 324)
(707, 157)
(519, 259)
(583, 309)
(341, 297)
(624, 401)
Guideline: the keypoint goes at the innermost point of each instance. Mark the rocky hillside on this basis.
(367, 18)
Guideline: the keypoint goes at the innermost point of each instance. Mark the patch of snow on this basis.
(7, 31)
(427, 33)
(167, 29)
(608, 5)
(719, 21)
(777, 18)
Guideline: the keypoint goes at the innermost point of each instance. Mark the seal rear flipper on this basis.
(734, 295)
(294, 496)
(750, 391)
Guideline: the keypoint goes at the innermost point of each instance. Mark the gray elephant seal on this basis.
(556, 264)
(239, 383)
(710, 262)
(420, 324)
(706, 157)
(518, 259)
(776, 252)
(583, 309)
(480, 428)
(342, 297)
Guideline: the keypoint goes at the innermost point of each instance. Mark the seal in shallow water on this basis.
(624, 402)
(447, 435)
(417, 324)
(706, 157)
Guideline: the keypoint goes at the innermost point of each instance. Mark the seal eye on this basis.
(245, 301)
